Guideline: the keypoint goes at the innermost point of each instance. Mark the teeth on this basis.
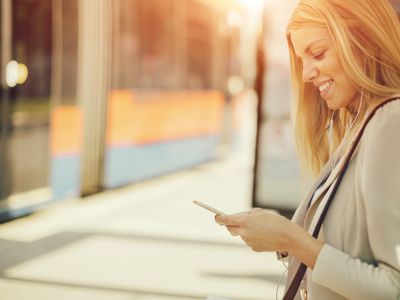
(325, 85)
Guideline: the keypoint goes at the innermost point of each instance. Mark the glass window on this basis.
(199, 45)
(69, 51)
(1, 50)
(125, 44)
(279, 184)
(156, 36)
(30, 98)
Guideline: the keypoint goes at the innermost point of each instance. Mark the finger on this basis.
(245, 240)
(256, 210)
(234, 230)
(218, 219)
(272, 211)
(248, 241)
(229, 220)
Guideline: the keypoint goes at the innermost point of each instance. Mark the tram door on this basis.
(26, 48)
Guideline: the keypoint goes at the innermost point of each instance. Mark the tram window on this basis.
(69, 51)
(199, 44)
(226, 65)
(1, 66)
(28, 124)
(33, 49)
(126, 44)
(156, 40)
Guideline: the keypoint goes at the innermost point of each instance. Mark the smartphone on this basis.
(212, 209)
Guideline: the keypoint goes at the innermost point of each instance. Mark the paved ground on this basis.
(145, 241)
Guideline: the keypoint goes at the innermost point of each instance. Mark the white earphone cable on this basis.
(349, 127)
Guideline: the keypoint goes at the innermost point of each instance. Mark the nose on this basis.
(310, 72)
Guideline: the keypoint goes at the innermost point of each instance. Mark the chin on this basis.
(332, 105)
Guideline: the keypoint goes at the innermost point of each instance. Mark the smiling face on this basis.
(321, 67)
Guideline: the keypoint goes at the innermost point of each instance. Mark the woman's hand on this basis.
(263, 230)
(260, 229)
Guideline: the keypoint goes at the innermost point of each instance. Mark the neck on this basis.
(356, 108)
(355, 105)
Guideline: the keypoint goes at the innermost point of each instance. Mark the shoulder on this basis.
(386, 122)
(379, 157)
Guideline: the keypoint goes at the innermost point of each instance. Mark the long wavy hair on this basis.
(366, 35)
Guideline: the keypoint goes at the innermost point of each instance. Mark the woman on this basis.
(345, 60)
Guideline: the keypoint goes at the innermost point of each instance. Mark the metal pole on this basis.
(259, 89)
(94, 80)
(6, 56)
(57, 55)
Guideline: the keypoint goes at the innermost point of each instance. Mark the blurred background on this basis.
(114, 116)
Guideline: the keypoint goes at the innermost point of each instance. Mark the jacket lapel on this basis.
(331, 178)
(301, 210)
(327, 187)
(300, 214)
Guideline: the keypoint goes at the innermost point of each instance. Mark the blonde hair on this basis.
(366, 35)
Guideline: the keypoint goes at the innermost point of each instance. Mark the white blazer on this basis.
(360, 259)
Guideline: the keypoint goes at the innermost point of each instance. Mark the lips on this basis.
(325, 87)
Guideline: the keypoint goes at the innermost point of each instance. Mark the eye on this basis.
(319, 56)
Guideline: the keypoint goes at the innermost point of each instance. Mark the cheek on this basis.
(345, 87)
(346, 93)
(334, 69)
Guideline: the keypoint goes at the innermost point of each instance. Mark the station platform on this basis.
(143, 241)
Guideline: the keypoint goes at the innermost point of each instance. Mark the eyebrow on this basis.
(310, 45)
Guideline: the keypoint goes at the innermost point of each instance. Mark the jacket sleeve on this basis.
(380, 187)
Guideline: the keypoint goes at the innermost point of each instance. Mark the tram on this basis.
(96, 94)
